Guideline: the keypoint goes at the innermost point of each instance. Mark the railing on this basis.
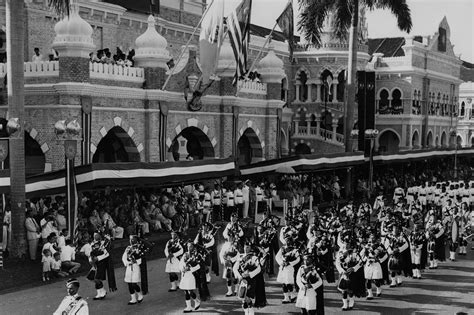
(329, 46)
(320, 106)
(253, 87)
(116, 72)
(36, 69)
(394, 61)
(320, 134)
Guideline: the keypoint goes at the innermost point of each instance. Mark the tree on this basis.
(345, 17)
(15, 32)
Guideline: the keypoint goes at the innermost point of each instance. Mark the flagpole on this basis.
(187, 44)
(261, 50)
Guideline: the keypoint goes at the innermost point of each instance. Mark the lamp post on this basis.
(371, 134)
(453, 133)
(69, 132)
(327, 82)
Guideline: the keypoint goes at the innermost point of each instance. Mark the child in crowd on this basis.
(62, 238)
(56, 267)
(47, 261)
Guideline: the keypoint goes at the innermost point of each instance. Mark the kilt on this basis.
(172, 265)
(101, 270)
(415, 256)
(188, 281)
(251, 284)
(394, 264)
(286, 275)
(306, 299)
(373, 271)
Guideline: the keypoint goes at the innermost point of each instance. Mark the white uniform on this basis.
(287, 270)
(188, 281)
(422, 195)
(132, 268)
(175, 249)
(398, 194)
(307, 296)
(72, 305)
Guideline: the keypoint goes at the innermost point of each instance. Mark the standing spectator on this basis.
(109, 223)
(61, 220)
(68, 257)
(95, 220)
(37, 56)
(33, 233)
(48, 226)
(46, 261)
(7, 230)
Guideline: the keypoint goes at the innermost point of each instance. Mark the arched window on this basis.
(397, 107)
(313, 120)
(326, 90)
(284, 90)
(303, 78)
(341, 80)
(302, 120)
(462, 112)
(383, 102)
(415, 110)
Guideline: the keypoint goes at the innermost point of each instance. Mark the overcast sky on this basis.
(426, 16)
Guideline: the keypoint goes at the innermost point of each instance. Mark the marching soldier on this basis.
(246, 269)
(309, 281)
(287, 257)
(189, 264)
(72, 304)
(173, 252)
(228, 257)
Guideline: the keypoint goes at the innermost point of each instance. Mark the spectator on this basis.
(61, 220)
(37, 56)
(109, 223)
(139, 222)
(56, 267)
(51, 244)
(33, 234)
(48, 226)
(68, 257)
(95, 220)
(46, 261)
(61, 239)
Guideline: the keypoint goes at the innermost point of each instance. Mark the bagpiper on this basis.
(228, 257)
(246, 269)
(189, 263)
(348, 263)
(173, 252)
(417, 240)
(309, 282)
(287, 257)
(132, 259)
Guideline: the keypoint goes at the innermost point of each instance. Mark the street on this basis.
(447, 290)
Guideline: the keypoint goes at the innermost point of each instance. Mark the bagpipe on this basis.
(228, 256)
(310, 275)
(191, 260)
(289, 254)
(267, 237)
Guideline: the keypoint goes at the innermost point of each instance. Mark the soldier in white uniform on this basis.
(398, 195)
(173, 252)
(216, 199)
(72, 304)
(422, 195)
(131, 259)
(239, 200)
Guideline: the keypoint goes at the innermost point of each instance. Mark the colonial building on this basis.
(296, 107)
(466, 108)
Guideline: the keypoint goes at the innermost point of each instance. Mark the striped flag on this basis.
(72, 201)
(286, 24)
(238, 26)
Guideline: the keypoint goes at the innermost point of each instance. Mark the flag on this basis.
(210, 40)
(238, 25)
(286, 24)
(72, 201)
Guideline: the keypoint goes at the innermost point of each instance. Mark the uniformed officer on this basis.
(216, 199)
(72, 304)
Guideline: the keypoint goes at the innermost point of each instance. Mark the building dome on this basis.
(73, 36)
(271, 68)
(150, 47)
(226, 64)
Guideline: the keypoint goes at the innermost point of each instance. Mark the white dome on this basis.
(73, 25)
(226, 63)
(73, 36)
(271, 68)
(150, 47)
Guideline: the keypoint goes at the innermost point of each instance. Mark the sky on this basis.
(426, 16)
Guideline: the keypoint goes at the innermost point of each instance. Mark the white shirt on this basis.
(73, 305)
(68, 253)
(49, 246)
(86, 249)
(38, 58)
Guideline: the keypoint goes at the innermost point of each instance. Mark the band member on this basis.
(228, 257)
(287, 257)
(309, 281)
(189, 264)
(348, 263)
(131, 259)
(417, 239)
(372, 271)
(102, 268)
(246, 269)
(205, 239)
(398, 248)
(234, 228)
(216, 199)
(264, 238)
(72, 304)
(173, 252)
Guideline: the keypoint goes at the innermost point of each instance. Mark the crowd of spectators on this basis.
(119, 58)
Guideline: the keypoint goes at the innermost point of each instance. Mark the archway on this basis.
(117, 146)
(437, 142)
(326, 120)
(249, 148)
(389, 142)
(34, 157)
(444, 140)
(283, 143)
(191, 144)
(459, 141)
(415, 139)
(429, 140)
(302, 148)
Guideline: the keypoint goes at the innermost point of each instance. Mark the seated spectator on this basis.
(56, 267)
(109, 223)
(157, 215)
(68, 257)
(95, 220)
(139, 222)
(61, 220)
(51, 244)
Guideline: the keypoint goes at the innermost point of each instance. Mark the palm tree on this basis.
(15, 30)
(345, 16)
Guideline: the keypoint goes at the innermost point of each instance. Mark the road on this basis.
(447, 290)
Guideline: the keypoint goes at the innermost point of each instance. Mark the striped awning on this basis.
(131, 175)
(418, 155)
(305, 163)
